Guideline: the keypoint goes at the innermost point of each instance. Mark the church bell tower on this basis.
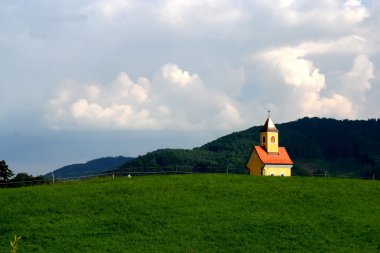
(269, 137)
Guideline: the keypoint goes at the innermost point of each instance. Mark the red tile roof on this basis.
(281, 158)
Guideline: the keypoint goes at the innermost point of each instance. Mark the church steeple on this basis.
(269, 136)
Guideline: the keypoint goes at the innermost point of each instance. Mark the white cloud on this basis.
(123, 88)
(115, 116)
(356, 82)
(297, 71)
(336, 106)
(174, 74)
(172, 99)
(354, 11)
(93, 91)
(229, 117)
(308, 92)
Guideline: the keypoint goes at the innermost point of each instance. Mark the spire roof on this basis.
(269, 126)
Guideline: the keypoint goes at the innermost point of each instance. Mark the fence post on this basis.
(227, 170)
(53, 175)
(113, 176)
(325, 173)
(373, 176)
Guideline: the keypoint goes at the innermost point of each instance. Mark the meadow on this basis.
(194, 213)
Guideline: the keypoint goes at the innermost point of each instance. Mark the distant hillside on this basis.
(90, 168)
(340, 147)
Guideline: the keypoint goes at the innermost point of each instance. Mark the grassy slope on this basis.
(194, 213)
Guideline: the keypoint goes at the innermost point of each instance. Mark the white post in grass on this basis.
(52, 173)
(325, 173)
(373, 176)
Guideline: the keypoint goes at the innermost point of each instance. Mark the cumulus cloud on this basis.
(314, 53)
(308, 92)
(172, 99)
(172, 73)
(356, 82)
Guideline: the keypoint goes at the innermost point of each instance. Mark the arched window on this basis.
(273, 139)
(282, 174)
(272, 174)
(263, 139)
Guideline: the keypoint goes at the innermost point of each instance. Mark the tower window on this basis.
(273, 139)
(263, 139)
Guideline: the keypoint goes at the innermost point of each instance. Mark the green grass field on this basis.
(194, 213)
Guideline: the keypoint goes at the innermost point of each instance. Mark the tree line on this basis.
(9, 179)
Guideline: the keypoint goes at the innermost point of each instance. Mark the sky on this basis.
(87, 79)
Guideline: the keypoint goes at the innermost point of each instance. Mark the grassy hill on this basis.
(341, 147)
(194, 213)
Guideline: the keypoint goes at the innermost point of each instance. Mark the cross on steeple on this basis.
(268, 113)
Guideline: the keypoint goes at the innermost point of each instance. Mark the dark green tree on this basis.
(22, 177)
(5, 172)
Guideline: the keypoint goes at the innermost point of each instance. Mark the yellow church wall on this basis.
(277, 171)
(254, 164)
(271, 147)
(257, 167)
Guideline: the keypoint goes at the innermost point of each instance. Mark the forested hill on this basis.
(340, 147)
(92, 167)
